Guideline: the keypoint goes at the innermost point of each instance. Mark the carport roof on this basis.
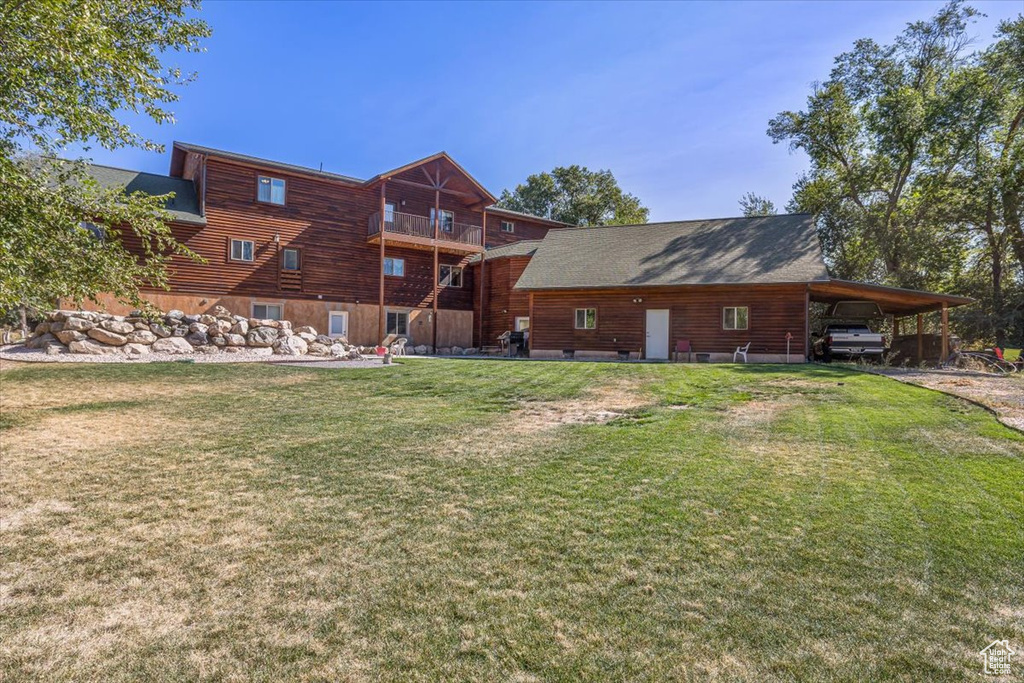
(892, 300)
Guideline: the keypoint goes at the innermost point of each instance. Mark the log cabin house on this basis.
(422, 252)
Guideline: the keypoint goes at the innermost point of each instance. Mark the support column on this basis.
(945, 332)
(381, 318)
(483, 263)
(920, 337)
(895, 327)
(533, 325)
(437, 235)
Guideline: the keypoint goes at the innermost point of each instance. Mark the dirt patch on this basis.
(599, 406)
(1003, 394)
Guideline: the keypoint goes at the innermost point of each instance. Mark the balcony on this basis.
(418, 232)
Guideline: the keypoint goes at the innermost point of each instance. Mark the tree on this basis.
(871, 131)
(756, 205)
(69, 70)
(575, 195)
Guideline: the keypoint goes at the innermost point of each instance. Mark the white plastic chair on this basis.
(741, 351)
(398, 348)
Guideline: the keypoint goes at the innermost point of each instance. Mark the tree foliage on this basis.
(916, 161)
(756, 205)
(70, 72)
(576, 195)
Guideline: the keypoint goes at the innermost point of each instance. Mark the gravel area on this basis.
(1004, 394)
(22, 354)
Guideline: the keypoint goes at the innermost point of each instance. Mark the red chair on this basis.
(999, 352)
(683, 346)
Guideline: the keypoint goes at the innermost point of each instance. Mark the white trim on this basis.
(270, 184)
(510, 224)
(330, 323)
(735, 326)
(451, 271)
(576, 318)
(252, 250)
(397, 311)
(515, 324)
(393, 262)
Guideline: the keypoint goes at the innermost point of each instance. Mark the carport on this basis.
(893, 301)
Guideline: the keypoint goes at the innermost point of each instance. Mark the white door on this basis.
(657, 334)
(338, 324)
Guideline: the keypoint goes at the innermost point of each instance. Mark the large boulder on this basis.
(266, 322)
(41, 328)
(88, 346)
(78, 324)
(41, 342)
(338, 350)
(457, 350)
(68, 336)
(107, 337)
(220, 326)
(218, 341)
(318, 349)
(198, 327)
(179, 331)
(354, 354)
(291, 346)
(197, 338)
(189, 319)
(324, 339)
(141, 337)
(306, 337)
(421, 350)
(175, 314)
(234, 339)
(159, 330)
(117, 326)
(207, 319)
(306, 329)
(262, 336)
(240, 327)
(173, 345)
(221, 312)
(135, 350)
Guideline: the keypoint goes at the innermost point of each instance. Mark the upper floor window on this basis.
(270, 190)
(394, 266)
(241, 250)
(389, 212)
(508, 226)
(735, 318)
(290, 259)
(447, 220)
(586, 318)
(450, 276)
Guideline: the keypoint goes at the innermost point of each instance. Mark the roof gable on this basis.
(767, 249)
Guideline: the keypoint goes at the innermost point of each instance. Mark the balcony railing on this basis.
(421, 226)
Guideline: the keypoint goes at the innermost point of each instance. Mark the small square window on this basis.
(241, 250)
(271, 190)
(735, 318)
(290, 259)
(267, 311)
(508, 226)
(586, 318)
(394, 267)
(398, 323)
(450, 276)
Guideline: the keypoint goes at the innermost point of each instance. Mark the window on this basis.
(270, 190)
(241, 250)
(451, 276)
(267, 311)
(735, 318)
(394, 266)
(522, 324)
(447, 220)
(337, 324)
(389, 212)
(398, 323)
(508, 226)
(290, 259)
(586, 318)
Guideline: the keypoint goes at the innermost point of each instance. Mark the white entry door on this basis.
(657, 334)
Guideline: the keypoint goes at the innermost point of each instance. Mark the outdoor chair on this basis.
(398, 348)
(683, 346)
(741, 351)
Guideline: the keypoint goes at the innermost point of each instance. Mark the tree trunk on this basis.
(23, 314)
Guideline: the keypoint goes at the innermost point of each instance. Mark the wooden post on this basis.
(533, 325)
(920, 337)
(483, 261)
(381, 318)
(807, 323)
(437, 235)
(945, 332)
(895, 327)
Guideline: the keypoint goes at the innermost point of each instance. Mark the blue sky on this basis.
(674, 98)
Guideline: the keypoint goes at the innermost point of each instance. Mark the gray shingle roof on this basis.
(245, 158)
(520, 248)
(767, 249)
(184, 207)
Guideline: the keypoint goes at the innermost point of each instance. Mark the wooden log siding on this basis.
(695, 314)
(525, 229)
(324, 219)
(503, 303)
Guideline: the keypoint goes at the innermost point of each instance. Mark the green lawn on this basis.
(448, 520)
